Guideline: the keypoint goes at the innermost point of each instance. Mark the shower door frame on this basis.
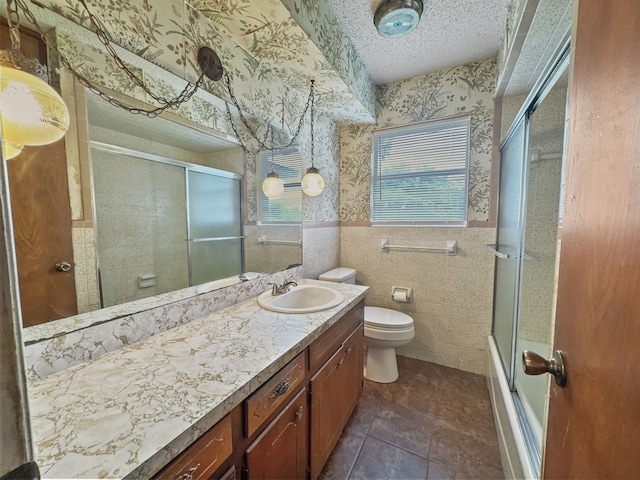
(556, 67)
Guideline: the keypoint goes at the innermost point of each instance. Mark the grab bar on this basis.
(264, 241)
(492, 247)
(525, 255)
(450, 249)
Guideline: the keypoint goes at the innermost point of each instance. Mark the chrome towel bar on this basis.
(265, 241)
(451, 247)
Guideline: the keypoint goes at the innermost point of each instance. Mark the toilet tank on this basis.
(339, 275)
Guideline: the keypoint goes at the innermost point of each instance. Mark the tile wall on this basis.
(452, 295)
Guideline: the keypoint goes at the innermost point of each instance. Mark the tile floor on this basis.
(434, 422)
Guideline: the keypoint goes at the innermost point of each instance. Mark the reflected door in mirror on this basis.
(42, 230)
(41, 218)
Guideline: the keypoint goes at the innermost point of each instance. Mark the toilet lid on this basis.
(386, 318)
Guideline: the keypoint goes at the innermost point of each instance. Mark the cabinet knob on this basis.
(189, 475)
(280, 389)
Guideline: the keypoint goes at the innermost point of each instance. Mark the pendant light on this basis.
(396, 18)
(32, 111)
(272, 186)
(312, 182)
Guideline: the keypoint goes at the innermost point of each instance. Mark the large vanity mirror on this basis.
(144, 207)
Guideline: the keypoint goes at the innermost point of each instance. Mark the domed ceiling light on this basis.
(396, 18)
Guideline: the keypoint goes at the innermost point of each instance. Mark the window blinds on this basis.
(288, 208)
(420, 173)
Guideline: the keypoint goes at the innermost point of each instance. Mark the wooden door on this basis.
(335, 391)
(41, 219)
(280, 452)
(594, 422)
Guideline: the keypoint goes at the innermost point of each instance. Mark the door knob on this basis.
(63, 266)
(534, 364)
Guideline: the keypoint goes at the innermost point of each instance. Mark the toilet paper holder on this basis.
(402, 294)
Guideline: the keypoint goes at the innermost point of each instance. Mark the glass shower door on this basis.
(215, 226)
(537, 286)
(508, 244)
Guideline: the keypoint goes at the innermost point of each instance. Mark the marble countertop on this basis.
(128, 413)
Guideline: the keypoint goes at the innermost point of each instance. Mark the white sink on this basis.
(301, 299)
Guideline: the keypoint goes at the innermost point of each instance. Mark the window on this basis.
(419, 174)
(287, 209)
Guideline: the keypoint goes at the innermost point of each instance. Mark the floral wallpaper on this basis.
(259, 43)
(319, 22)
(463, 89)
(275, 37)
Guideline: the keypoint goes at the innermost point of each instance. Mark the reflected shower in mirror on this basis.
(149, 206)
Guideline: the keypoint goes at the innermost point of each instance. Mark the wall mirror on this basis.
(152, 206)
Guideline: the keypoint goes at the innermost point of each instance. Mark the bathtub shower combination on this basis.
(526, 251)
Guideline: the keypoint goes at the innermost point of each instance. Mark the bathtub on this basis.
(519, 458)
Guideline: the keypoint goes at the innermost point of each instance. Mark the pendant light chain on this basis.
(173, 104)
(13, 19)
(312, 110)
(262, 143)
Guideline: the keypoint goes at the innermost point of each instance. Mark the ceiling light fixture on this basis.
(312, 182)
(396, 18)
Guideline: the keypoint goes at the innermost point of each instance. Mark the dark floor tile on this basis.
(366, 409)
(404, 427)
(466, 454)
(466, 413)
(379, 460)
(341, 462)
(461, 381)
(432, 416)
(440, 472)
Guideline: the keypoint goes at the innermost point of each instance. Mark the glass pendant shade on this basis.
(273, 186)
(32, 112)
(10, 149)
(312, 182)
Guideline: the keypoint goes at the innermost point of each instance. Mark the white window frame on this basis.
(459, 151)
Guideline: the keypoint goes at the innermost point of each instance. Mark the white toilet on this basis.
(384, 331)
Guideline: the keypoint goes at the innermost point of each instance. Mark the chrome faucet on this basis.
(284, 288)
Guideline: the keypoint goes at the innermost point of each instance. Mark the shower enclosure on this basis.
(162, 224)
(526, 249)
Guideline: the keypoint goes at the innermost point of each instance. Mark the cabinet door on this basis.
(280, 452)
(335, 391)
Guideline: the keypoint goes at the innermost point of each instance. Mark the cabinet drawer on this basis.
(204, 456)
(274, 393)
(330, 341)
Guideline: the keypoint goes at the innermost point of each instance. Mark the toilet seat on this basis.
(386, 319)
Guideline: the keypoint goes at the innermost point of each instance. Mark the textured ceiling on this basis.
(450, 33)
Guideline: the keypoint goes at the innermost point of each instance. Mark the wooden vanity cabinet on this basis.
(280, 452)
(335, 391)
(289, 426)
